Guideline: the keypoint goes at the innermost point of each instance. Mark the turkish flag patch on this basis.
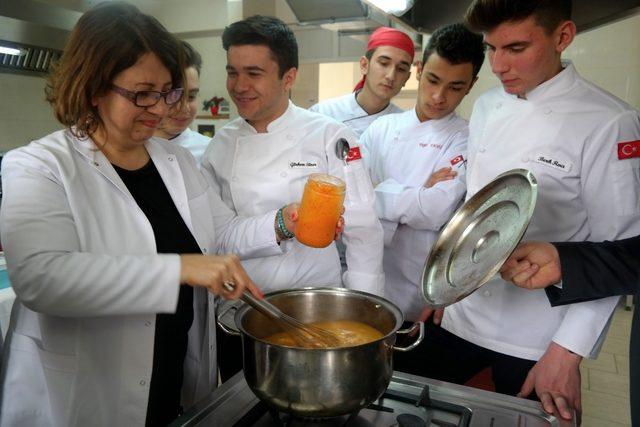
(457, 159)
(628, 150)
(354, 154)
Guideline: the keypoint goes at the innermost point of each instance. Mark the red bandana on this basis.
(385, 36)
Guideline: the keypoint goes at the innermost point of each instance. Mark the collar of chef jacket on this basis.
(356, 110)
(436, 124)
(557, 86)
(279, 123)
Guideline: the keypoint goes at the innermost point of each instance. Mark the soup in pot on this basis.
(349, 333)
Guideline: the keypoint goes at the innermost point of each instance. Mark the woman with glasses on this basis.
(110, 237)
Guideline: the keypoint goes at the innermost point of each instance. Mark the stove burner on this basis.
(288, 420)
(409, 420)
(427, 414)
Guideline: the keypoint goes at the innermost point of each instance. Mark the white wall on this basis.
(24, 113)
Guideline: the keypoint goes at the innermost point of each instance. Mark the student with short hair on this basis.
(402, 151)
(571, 135)
(175, 127)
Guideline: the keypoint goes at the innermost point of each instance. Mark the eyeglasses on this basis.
(149, 98)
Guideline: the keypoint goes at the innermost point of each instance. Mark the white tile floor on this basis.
(605, 380)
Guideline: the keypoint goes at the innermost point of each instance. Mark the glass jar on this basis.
(320, 210)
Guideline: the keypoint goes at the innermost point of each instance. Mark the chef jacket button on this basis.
(283, 174)
(499, 105)
(170, 159)
(486, 293)
(482, 150)
(147, 323)
(234, 179)
(548, 111)
(96, 164)
(204, 250)
(290, 137)
(143, 382)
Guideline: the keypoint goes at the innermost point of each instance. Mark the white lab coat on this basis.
(401, 153)
(567, 133)
(346, 109)
(258, 172)
(193, 141)
(82, 260)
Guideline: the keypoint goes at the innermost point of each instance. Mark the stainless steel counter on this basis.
(406, 402)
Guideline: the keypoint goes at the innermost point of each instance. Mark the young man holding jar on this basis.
(261, 161)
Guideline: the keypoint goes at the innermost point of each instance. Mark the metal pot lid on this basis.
(479, 237)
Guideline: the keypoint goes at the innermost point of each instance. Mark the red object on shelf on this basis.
(214, 110)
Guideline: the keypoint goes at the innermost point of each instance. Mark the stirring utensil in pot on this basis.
(342, 149)
(307, 336)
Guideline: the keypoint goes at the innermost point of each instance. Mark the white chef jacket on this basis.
(258, 172)
(346, 109)
(193, 141)
(401, 154)
(82, 260)
(567, 132)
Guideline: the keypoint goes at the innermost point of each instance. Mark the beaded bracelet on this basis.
(281, 225)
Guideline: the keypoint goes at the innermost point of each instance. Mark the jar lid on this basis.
(479, 237)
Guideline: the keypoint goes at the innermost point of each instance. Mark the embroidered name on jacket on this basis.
(554, 163)
(295, 165)
(425, 145)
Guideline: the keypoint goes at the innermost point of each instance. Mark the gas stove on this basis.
(409, 401)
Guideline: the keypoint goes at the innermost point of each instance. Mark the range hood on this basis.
(339, 15)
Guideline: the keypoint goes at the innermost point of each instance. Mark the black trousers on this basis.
(446, 357)
(229, 352)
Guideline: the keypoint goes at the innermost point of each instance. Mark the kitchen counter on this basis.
(408, 401)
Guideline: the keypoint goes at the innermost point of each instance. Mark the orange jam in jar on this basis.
(319, 210)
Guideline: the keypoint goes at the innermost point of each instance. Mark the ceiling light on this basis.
(396, 7)
(12, 51)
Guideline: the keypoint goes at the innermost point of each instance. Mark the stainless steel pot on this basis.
(319, 383)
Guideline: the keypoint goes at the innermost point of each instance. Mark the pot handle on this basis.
(227, 329)
(408, 331)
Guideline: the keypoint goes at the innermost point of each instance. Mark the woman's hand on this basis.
(211, 271)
